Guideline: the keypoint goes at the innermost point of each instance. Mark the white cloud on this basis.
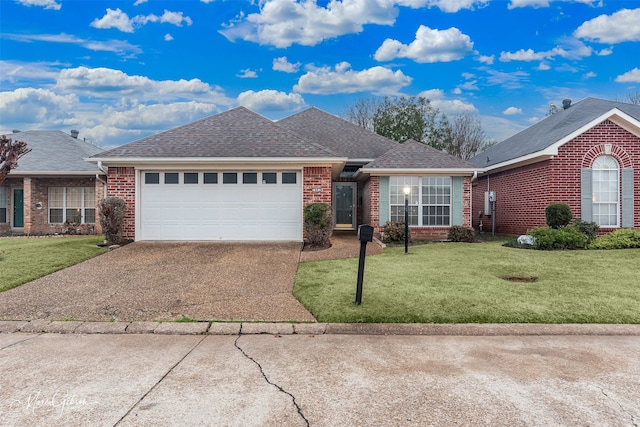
(531, 55)
(139, 2)
(511, 111)
(590, 75)
(168, 37)
(119, 20)
(282, 23)
(544, 66)
(281, 64)
(35, 106)
(430, 45)
(116, 46)
(247, 73)
(486, 59)
(449, 6)
(528, 3)
(20, 72)
(620, 27)
(114, 84)
(632, 76)
(514, 80)
(47, 4)
(342, 79)
(445, 105)
(271, 100)
(605, 52)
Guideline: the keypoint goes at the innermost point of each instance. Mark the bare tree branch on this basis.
(10, 152)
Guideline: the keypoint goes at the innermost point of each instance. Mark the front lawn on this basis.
(25, 259)
(463, 283)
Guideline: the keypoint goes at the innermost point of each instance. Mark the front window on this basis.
(606, 191)
(3, 204)
(429, 200)
(72, 204)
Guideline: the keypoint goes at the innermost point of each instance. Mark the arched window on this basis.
(606, 191)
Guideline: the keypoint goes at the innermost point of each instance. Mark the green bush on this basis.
(558, 238)
(625, 238)
(558, 215)
(458, 233)
(394, 232)
(318, 225)
(589, 229)
(112, 211)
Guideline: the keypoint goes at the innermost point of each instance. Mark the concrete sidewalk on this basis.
(318, 380)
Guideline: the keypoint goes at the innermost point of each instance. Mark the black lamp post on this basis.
(406, 190)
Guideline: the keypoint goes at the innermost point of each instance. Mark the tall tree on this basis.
(361, 112)
(10, 152)
(465, 136)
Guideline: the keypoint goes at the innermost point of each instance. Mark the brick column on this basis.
(316, 185)
(28, 204)
(121, 182)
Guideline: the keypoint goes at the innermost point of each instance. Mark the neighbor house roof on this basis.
(237, 133)
(416, 157)
(54, 152)
(339, 135)
(544, 137)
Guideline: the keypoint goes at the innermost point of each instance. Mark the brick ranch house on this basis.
(239, 176)
(586, 155)
(53, 189)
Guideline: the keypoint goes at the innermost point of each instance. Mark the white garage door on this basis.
(221, 205)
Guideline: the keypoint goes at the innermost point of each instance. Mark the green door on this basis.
(18, 208)
(343, 202)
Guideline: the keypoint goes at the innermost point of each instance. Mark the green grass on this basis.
(462, 283)
(25, 259)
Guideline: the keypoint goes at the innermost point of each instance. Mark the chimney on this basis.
(75, 133)
(566, 103)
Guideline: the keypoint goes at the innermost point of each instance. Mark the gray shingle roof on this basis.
(551, 130)
(235, 133)
(339, 135)
(415, 155)
(54, 151)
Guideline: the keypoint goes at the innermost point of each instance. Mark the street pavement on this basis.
(326, 379)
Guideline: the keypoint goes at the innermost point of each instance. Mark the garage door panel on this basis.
(221, 211)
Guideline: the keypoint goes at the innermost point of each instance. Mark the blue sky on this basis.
(121, 70)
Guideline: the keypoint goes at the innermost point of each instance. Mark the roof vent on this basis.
(75, 133)
(566, 103)
(16, 131)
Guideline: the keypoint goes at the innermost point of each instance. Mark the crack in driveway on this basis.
(633, 418)
(282, 390)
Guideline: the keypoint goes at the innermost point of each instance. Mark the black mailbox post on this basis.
(365, 234)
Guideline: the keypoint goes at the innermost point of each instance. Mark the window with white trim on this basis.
(3, 204)
(429, 200)
(606, 191)
(72, 204)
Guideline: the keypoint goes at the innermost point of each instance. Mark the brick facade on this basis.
(523, 193)
(121, 182)
(316, 185)
(36, 205)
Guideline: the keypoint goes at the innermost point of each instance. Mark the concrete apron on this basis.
(318, 380)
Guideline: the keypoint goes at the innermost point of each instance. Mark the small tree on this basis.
(558, 215)
(10, 152)
(318, 224)
(112, 211)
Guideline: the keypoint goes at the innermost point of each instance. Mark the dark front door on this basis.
(344, 203)
(18, 208)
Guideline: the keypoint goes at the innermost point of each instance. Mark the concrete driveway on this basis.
(168, 281)
(326, 380)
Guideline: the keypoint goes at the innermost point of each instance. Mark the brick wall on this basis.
(371, 202)
(121, 182)
(523, 193)
(316, 185)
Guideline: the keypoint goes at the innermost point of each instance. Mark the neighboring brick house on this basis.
(586, 155)
(53, 189)
(240, 176)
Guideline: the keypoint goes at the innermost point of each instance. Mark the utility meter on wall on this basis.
(492, 196)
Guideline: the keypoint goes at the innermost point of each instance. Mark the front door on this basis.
(344, 196)
(18, 208)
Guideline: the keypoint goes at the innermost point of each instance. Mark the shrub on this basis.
(558, 238)
(458, 233)
(394, 232)
(112, 210)
(589, 229)
(625, 238)
(558, 215)
(318, 225)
